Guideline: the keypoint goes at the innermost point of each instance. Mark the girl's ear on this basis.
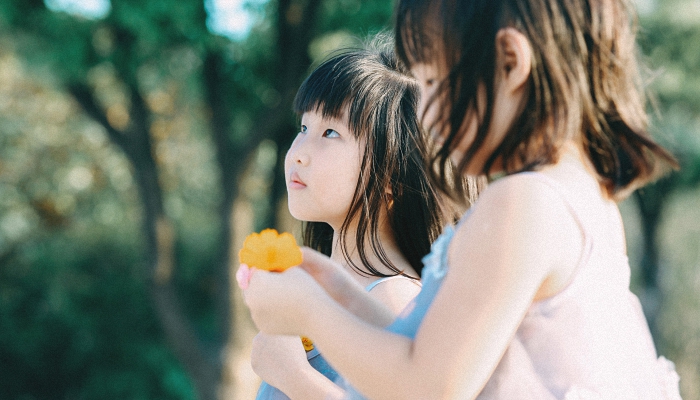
(513, 58)
(389, 198)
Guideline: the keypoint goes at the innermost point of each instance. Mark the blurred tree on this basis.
(127, 70)
(670, 39)
(154, 78)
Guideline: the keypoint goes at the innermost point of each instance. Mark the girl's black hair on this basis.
(584, 80)
(380, 101)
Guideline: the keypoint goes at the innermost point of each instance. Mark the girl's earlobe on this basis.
(514, 57)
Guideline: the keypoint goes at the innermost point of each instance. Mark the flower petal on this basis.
(308, 344)
(270, 251)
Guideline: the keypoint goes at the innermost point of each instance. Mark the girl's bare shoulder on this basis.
(521, 228)
(396, 292)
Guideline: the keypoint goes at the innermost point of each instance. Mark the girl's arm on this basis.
(281, 362)
(345, 290)
(501, 259)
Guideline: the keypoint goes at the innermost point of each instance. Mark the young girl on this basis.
(356, 172)
(527, 297)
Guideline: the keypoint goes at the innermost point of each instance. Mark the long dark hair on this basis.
(380, 101)
(584, 79)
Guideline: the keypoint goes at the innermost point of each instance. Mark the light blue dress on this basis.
(408, 322)
(268, 392)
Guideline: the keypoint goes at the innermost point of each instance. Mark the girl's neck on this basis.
(574, 167)
(388, 243)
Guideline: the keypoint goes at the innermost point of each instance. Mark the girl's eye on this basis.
(330, 133)
(303, 129)
(429, 82)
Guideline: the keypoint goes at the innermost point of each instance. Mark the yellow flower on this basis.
(270, 251)
(308, 344)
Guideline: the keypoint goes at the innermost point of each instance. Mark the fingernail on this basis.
(243, 276)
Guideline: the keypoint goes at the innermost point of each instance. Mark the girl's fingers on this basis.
(274, 299)
(243, 276)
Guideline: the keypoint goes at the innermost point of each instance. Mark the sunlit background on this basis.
(140, 141)
(231, 18)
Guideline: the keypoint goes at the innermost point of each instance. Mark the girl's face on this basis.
(429, 78)
(322, 168)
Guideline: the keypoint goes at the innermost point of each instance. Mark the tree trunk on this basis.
(293, 39)
(159, 236)
(651, 201)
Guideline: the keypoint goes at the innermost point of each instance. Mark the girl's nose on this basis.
(301, 158)
(297, 155)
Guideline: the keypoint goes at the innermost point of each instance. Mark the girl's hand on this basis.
(280, 302)
(281, 362)
(278, 359)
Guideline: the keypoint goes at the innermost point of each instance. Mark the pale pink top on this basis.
(590, 341)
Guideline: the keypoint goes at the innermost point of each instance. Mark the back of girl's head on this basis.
(370, 91)
(584, 80)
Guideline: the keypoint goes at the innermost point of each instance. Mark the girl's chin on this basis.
(301, 216)
(305, 215)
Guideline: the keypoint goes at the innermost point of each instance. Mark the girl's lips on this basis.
(295, 182)
(296, 185)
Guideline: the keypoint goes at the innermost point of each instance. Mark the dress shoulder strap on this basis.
(380, 280)
(565, 197)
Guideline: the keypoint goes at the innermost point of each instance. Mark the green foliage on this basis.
(361, 17)
(76, 322)
(670, 40)
(195, 278)
(675, 50)
(672, 50)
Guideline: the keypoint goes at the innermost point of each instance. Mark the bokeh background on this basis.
(141, 140)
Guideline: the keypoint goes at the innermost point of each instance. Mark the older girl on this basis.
(528, 297)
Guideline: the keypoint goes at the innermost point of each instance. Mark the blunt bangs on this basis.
(355, 85)
(327, 89)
